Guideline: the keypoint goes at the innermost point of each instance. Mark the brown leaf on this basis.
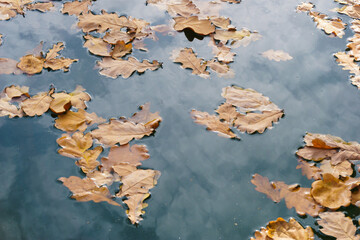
(221, 22)
(120, 132)
(277, 55)
(16, 91)
(343, 169)
(102, 178)
(85, 189)
(330, 26)
(88, 162)
(31, 64)
(226, 35)
(125, 154)
(347, 62)
(76, 7)
(352, 11)
(97, 46)
(280, 229)
(54, 63)
(222, 69)
(331, 192)
(144, 116)
(121, 49)
(335, 224)
(188, 59)
(184, 8)
(254, 36)
(113, 68)
(136, 205)
(138, 182)
(117, 35)
(354, 47)
(261, 235)
(63, 101)
(38, 104)
(315, 154)
(222, 52)
(9, 66)
(304, 7)
(74, 146)
(202, 27)
(309, 170)
(227, 112)
(124, 169)
(40, 6)
(6, 12)
(73, 121)
(213, 123)
(264, 186)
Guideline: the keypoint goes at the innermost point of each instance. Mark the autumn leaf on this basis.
(335, 224)
(263, 185)
(73, 121)
(315, 154)
(102, 178)
(342, 169)
(280, 229)
(354, 47)
(213, 123)
(115, 67)
(184, 8)
(97, 46)
(8, 109)
(309, 170)
(144, 116)
(75, 145)
(188, 59)
(352, 11)
(222, 69)
(136, 205)
(277, 55)
(9, 66)
(254, 36)
(85, 189)
(222, 52)
(124, 169)
(330, 26)
(63, 101)
(305, 7)
(121, 49)
(227, 112)
(38, 104)
(40, 6)
(114, 36)
(76, 7)
(7, 12)
(16, 91)
(202, 26)
(347, 62)
(88, 162)
(30, 64)
(53, 62)
(125, 155)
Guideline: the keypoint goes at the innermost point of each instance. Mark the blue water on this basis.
(204, 191)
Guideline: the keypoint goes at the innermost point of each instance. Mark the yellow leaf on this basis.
(73, 121)
(31, 64)
(292, 230)
(38, 104)
(63, 101)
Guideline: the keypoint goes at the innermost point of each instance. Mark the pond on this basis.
(204, 191)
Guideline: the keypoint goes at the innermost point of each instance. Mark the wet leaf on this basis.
(227, 112)
(136, 205)
(63, 101)
(88, 162)
(315, 154)
(184, 8)
(261, 235)
(16, 91)
(85, 189)
(53, 62)
(117, 131)
(277, 55)
(343, 169)
(113, 68)
(222, 52)
(199, 26)
(221, 22)
(335, 224)
(352, 11)
(121, 49)
(331, 192)
(40, 6)
(188, 59)
(97, 46)
(73, 121)
(309, 170)
(125, 155)
(76, 7)
(30, 64)
(124, 169)
(222, 69)
(305, 7)
(226, 35)
(263, 185)
(6, 12)
(330, 26)
(75, 145)
(347, 62)
(9, 66)
(213, 123)
(144, 116)
(354, 47)
(8, 109)
(280, 229)
(254, 36)
(102, 178)
(117, 35)
(38, 104)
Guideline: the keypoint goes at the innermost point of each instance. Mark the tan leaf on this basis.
(124, 169)
(213, 123)
(121, 49)
(355, 26)
(146, 117)
(16, 91)
(330, 26)
(264, 186)
(227, 112)
(74, 146)
(40, 6)
(6, 12)
(261, 235)
(355, 80)
(225, 35)
(38, 104)
(222, 69)
(254, 36)
(184, 8)
(113, 68)
(63, 101)
(31, 64)
(9, 66)
(222, 52)
(188, 59)
(221, 22)
(352, 11)
(305, 7)
(140, 45)
(257, 122)
(73, 121)
(248, 100)
(232, 1)
(138, 182)
(8, 109)
(331, 192)
(125, 154)
(102, 178)
(347, 62)
(54, 63)
(97, 46)
(280, 229)
(88, 162)
(120, 132)
(335, 224)
(136, 205)
(277, 55)
(342, 169)
(309, 170)
(315, 154)
(202, 27)
(76, 7)
(85, 189)
(354, 47)
(117, 35)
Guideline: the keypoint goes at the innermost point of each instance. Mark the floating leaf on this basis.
(38, 104)
(8, 109)
(76, 7)
(9, 66)
(330, 26)
(280, 229)
(203, 26)
(16, 91)
(121, 49)
(226, 35)
(315, 154)
(184, 8)
(222, 52)
(63, 101)
(73, 121)
(136, 205)
(309, 170)
(222, 69)
(188, 59)
(88, 162)
(75, 145)
(305, 7)
(97, 46)
(335, 224)
(352, 11)
(40, 6)
(54, 63)
(347, 62)
(115, 67)
(343, 169)
(149, 119)
(264, 186)
(277, 55)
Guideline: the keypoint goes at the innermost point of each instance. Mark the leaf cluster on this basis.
(10, 8)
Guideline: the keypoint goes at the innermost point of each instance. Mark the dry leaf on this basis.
(268, 188)
(305, 7)
(343, 169)
(124, 169)
(8, 109)
(184, 8)
(188, 59)
(222, 69)
(38, 104)
(85, 189)
(213, 123)
(120, 132)
(16, 91)
(54, 63)
(74, 146)
(221, 22)
(6, 12)
(136, 205)
(97, 46)
(63, 101)
(149, 119)
(280, 229)
(309, 170)
(88, 162)
(117, 35)
(113, 68)
(335, 224)
(315, 154)
(347, 62)
(76, 7)
(125, 155)
(261, 235)
(40, 6)
(102, 178)
(222, 52)
(31, 64)
(352, 11)
(73, 121)
(227, 112)
(330, 26)
(202, 27)
(121, 49)
(277, 55)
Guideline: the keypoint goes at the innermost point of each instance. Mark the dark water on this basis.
(204, 191)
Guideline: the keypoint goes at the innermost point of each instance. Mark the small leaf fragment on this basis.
(277, 55)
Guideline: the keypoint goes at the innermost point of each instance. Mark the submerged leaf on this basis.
(277, 55)
(74, 146)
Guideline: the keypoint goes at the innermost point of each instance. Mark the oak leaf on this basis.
(63, 101)
(343, 169)
(305, 7)
(124, 169)
(280, 229)
(144, 116)
(114, 36)
(221, 22)
(277, 55)
(330, 26)
(222, 69)
(74, 145)
(97, 46)
(315, 154)
(199, 26)
(117, 131)
(335, 224)
(121, 49)
(221, 52)
(38, 104)
(115, 67)
(73, 121)
(8, 109)
(85, 189)
(88, 162)
(347, 62)
(188, 59)
(227, 112)
(261, 235)
(76, 7)
(354, 47)
(309, 170)
(136, 205)
(263, 185)
(6, 12)
(31, 64)
(40, 6)
(102, 178)
(352, 11)
(184, 8)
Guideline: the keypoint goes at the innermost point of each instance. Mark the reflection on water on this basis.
(204, 191)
